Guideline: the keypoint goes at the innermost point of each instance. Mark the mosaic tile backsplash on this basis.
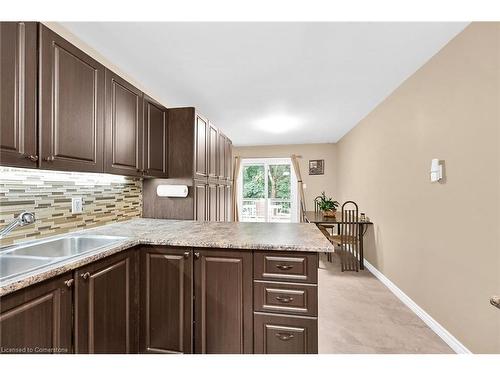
(106, 198)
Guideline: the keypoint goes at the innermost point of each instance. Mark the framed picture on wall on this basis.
(316, 167)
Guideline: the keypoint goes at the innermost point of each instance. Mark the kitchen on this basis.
(131, 225)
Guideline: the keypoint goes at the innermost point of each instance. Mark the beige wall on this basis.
(314, 184)
(438, 242)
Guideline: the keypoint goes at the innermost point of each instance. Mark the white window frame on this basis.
(266, 162)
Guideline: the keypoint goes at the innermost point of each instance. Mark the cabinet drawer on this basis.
(288, 298)
(283, 266)
(282, 334)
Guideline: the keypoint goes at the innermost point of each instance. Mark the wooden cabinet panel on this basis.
(200, 200)
(212, 151)
(166, 303)
(106, 305)
(18, 74)
(212, 202)
(221, 146)
(221, 203)
(229, 202)
(72, 106)
(223, 301)
(37, 319)
(282, 334)
(124, 126)
(301, 267)
(228, 165)
(200, 148)
(155, 138)
(287, 298)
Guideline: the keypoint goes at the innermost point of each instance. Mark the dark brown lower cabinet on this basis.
(285, 334)
(38, 319)
(223, 301)
(160, 299)
(166, 300)
(106, 305)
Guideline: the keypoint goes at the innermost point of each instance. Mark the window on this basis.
(268, 190)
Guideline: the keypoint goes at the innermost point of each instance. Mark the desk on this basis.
(318, 218)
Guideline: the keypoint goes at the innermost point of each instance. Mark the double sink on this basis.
(25, 258)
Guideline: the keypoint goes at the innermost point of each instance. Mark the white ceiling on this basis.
(312, 81)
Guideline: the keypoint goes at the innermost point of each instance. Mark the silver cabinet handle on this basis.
(197, 255)
(85, 275)
(284, 299)
(495, 301)
(285, 336)
(186, 254)
(69, 283)
(284, 267)
(49, 158)
(33, 158)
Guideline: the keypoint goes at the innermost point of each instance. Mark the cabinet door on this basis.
(72, 106)
(229, 202)
(155, 139)
(221, 203)
(222, 156)
(38, 318)
(283, 334)
(124, 121)
(223, 302)
(200, 200)
(106, 305)
(200, 147)
(166, 292)
(228, 152)
(18, 72)
(212, 202)
(212, 151)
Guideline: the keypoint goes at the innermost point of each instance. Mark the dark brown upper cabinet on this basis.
(224, 306)
(106, 305)
(155, 138)
(71, 106)
(166, 300)
(201, 147)
(38, 318)
(18, 74)
(124, 127)
(212, 151)
(197, 149)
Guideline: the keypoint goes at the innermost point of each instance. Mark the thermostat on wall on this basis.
(172, 191)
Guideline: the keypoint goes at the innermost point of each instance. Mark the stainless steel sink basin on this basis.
(65, 246)
(11, 266)
(24, 258)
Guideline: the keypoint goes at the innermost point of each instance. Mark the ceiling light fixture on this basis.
(278, 123)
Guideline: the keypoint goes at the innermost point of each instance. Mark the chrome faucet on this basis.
(23, 219)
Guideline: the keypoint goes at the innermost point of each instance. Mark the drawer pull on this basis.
(186, 254)
(285, 336)
(85, 275)
(69, 283)
(284, 299)
(284, 267)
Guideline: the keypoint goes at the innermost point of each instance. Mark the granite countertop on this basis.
(234, 235)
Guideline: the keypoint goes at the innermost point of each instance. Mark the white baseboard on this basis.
(447, 337)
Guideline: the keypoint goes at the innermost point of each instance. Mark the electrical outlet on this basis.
(76, 205)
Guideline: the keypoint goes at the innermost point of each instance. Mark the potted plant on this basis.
(327, 205)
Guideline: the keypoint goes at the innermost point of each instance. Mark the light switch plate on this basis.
(76, 205)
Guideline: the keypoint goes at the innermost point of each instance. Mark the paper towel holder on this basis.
(172, 191)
